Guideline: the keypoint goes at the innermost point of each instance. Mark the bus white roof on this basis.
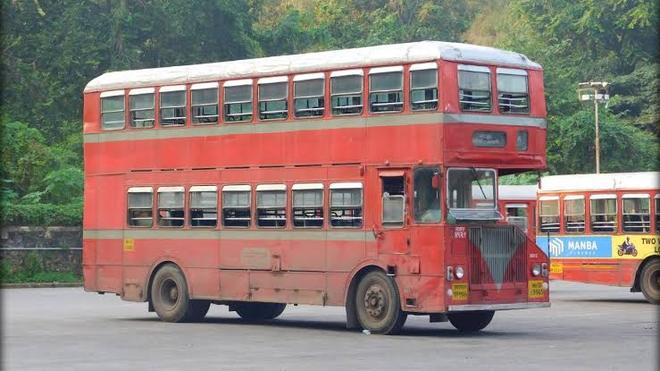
(601, 182)
(382, 55)
(517, 192)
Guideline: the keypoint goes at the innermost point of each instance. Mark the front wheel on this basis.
(170, 298)
(259, 311)
(471, 321)
(377, 304)
(649, 281)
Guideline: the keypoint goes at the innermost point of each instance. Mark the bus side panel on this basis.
(289, 287)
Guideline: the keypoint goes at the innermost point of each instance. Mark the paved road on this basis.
(587, 328)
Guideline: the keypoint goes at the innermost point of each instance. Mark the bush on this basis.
(42, 214)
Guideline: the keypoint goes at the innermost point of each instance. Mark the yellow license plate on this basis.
(556, 268)
(459, 291)
(535, 289)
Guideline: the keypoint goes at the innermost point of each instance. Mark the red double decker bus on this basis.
(342, 178)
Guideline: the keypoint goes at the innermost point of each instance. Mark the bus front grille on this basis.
(497, 254)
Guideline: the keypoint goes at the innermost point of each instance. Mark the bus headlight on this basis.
(459, 273)
(450, 273)
(536, 269)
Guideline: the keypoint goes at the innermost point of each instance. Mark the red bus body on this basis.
(320, 265)
(589, 242)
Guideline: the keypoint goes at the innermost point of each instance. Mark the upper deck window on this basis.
(549, 214)
(424, 86)
(142, 107)
(512, 91)
(271, 205)
(636, 213)
(574, 213)
(170, 207)
(346, 92)
(273, 93)
(238, 100)
(346, 205)
(474, 90)
(140, 203)
(203, 206)
(204, 103)
(308, 95)
(603, 213)
(112, 109)
(173, 105)
(307, 205)
(386, 89)
(236, 206)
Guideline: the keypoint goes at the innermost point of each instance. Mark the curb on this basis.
(31, 285)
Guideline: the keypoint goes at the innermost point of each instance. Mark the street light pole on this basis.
(599, 95)
(597, 133)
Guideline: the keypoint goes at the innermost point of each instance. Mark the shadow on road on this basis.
(340, 326)
(607, 300)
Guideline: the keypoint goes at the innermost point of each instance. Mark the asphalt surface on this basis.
(588, 327)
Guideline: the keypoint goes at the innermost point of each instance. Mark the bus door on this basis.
(391, 234)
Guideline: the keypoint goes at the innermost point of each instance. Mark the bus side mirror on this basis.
(435, 181)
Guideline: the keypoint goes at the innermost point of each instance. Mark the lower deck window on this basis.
(170, 207)
(140, 207)
(236, 206)
(603, 214)
(549, 215)
(271, 207)
(426, 195)
(574, 214)
(203, 206)
(636, 214)
(346, 205)
(308, 207)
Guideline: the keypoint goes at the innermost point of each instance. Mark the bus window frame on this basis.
(564, 215)
(636, 196)
(540, 214)
(600, 197)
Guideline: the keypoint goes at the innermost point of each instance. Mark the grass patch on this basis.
(32, 271)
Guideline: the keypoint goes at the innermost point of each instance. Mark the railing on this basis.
(498, 254)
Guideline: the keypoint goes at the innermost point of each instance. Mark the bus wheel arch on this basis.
(172, 301)
(647, 279)
(381, 294)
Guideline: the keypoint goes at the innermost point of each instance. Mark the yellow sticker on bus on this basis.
(535, 289)
(459, 291)
(635, 246)
(556, 267)
(129, 244)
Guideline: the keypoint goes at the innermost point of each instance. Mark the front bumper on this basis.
(473, 307)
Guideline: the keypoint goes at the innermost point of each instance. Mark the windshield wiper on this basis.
(476, 177)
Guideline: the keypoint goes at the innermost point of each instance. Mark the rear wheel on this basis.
(471, 321)
(259, 311)
(649, 281)
(377, 304)
(170, 298)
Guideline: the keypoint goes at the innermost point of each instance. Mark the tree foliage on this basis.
(51, 49)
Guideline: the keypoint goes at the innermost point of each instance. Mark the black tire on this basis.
(377, 304)
(649, 281)
(472, 321)
(259, 311)
(170, 298)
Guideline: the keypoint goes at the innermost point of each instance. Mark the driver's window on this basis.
(393, 201)
(426, 195)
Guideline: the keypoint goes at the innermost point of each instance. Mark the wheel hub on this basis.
(374, 301)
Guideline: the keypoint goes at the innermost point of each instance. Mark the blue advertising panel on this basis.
(576, 246)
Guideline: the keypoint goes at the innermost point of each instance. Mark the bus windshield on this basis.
(471, 192)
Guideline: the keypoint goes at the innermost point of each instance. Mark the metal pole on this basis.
(597, 132)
